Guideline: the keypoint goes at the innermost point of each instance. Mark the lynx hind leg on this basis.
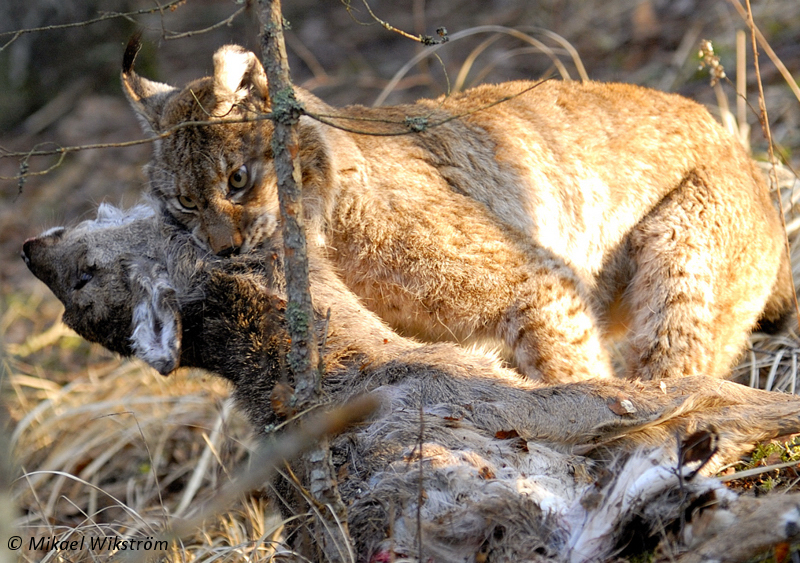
(552, 330)
(704, 269)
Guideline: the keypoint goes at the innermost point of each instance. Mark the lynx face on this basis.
(216, 180)
(225, 194)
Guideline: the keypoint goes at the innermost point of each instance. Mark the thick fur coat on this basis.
(506, 469)
(546, 217)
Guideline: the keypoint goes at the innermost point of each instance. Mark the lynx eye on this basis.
(187, 202)
(83, 279)
(239, 178)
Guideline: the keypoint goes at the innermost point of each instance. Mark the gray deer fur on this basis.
(512, 470)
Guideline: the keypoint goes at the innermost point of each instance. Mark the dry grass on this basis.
(108, 447)
(119, 451)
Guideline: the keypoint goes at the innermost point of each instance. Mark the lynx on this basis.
(549, 217)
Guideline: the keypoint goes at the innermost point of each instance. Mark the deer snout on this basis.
(28, 247)
(25, 254)
(31, 246)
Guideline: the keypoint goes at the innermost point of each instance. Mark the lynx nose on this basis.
(223, 237)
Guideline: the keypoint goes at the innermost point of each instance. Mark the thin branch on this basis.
(63, 151)
(166, 34)
(412, 124)
(108, 16)
(424, 39)
(747, 16)
(286, 112)
(169, 35)
(303, 357)
(409, 126)
(25, 174)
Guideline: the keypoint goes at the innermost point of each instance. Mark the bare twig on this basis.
(410, 125)
(424, 39)
(63, 151)
(168, 35)
(165, 33)
(286, 112)
(109, 16)
(747, 16)
(405, 127)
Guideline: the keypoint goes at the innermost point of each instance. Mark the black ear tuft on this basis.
(134, 45)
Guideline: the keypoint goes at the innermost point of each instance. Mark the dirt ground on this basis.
(59, 87)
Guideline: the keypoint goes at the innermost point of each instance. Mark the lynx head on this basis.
(217, 179)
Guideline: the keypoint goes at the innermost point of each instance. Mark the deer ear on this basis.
(146, 97)
(238, 74)
(156, 337)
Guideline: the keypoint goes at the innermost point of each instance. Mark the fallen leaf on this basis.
(621, 406)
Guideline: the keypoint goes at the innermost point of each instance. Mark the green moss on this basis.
(647, 557)
(762, 452)
(297, 318)
(285, 107)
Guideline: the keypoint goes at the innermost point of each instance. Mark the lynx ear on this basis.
(156, 327)
(237, 75)
(146, 97)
